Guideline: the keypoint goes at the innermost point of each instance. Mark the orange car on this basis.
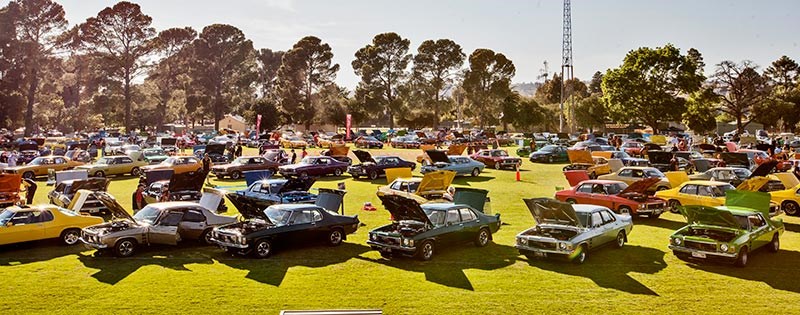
(9, 189)
(179, 164)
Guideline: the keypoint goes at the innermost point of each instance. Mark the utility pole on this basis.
(566, 59)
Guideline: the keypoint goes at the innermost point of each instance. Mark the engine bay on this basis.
(717, 235)
(247, 227)
(555, 233)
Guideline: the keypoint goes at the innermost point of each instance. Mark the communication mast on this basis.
(566, 59)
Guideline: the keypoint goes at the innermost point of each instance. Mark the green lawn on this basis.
(643, 277)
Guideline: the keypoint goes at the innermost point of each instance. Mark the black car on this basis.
(264, 229)
(180, 187)
(216, 152)
(550, 154)
(661, 161)
(374, 167)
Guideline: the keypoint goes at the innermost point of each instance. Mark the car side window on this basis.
(612, 189)
(706, 191)
(60, 161)
(607, 217)
(452, 216)
(194, 216)
(597, 220)
(585, 188)
(467, 215)
(638, 173)
(757, 221)
(171, 219)
(598, 189)
(689, 189)
(300, 217)
(396, 186)
(316, 216)
(125, 161)
(25, 217)
(626, 173)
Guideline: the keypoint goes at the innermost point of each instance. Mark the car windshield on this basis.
(499, 153)
(154, 152)
(548, 149)
(742, 172)
(241, 160)
(277, 215)
(369, 139)
(621, 155)
(37, 161)
(5, 216)
(147, 215)
(743, 222)
(654, 173)
(169, 161)
(132, 148)
(435, 216)
(583, 218)
(307, 161)
(68, 212)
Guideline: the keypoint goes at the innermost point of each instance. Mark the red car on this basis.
(633, 148)
(617, 196)
(496, 158)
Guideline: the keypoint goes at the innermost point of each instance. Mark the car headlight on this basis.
(562, 246)
(724, 247)
(676, 241)
(372, 237)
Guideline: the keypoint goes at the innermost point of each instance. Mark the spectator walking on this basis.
(30, 190)
(294, 156)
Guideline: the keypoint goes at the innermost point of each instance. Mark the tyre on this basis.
(205, 238)
(620, 239)
(136, 171)
(582, 255)
(70, 236)
(262, 249)
(572, 201)
(742, 258)
(673, 205)
(99, 174)
(28, 175)
(373, 175)
(791, 208)
(625, 210)
(426, 250)
(335, 237)
(337, 172)
(236, 175)
(483, 237)
(775, 244)
(476, 172)
(125, 247)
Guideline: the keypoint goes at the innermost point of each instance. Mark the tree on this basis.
(529, 114)
(591, 113)
(174, 47)
(649, 85)
(11, 71)
(436, 65)
(269, 62)
(701, 111)
(223, 68)
(550, 91)
(783, 77)
(740, 88)
(784, 72)
(382, 66)
(38, 23)
(306, 69)
(487, 83)
(595, 86)
(270, 114)
(122, 35)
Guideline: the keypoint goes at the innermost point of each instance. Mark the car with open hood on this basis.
(661, 160)
(180, 186)
(40, 166)
(237, 167)
(179, 164)
(267, 192)
(422, 230)
(64, 192)
(154, 155)
(570, 231)
(626, 159)
(28, 151)
(732, 175)
(727, 233)
(265, 229)
(314, 166)
(215, 151)
(166, 223)
(550, 154)
(26, 224)
(700, 162)
(788, 198)
(632, 174)
(432, 186)
(462, 165)
(368, 142)
(293, 142)
(583, 160)
(709, 193)
(452, 149)
(736, 159)
(374, 167)
(338, 152)
(10, 189)
(497, 158)
(169, 145)
(116, 165)
(616, 195)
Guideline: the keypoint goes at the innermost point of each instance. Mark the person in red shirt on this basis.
(303, 154)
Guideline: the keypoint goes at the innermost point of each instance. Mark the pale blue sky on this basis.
(528, 32)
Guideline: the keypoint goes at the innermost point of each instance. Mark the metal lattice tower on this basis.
(566, 59)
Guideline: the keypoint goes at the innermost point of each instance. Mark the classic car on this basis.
(710, 193)
(265, 229)
(28, 151)
(405, 142)
(314, 166)
(40, 166)
(462, 165)
(727, 233)
(733, 175)
(79, 155)
(432, 186)
(633, 148)
(116, 165)
(154, 155)
(736, 159)
(374, 167)
(169, 145)
(113, 146)
(42, 222)
(267, 192)
(699, 162)
(293, 142)
(243, 164)
(329, 140)
(570, 231)
(757, 156)
(179, 164)
(215, 151)
(167, 223)
(626, 159)
(616, 195)
(179, 186)
(65, 191)
(497, 158)
(368, 142)
(338, 152)
(550, 154)
(631, 174)
(583, 160)
(452, 149)
(661, 161)
(10, 188)
(421, 230)
(275, 155)
(788, 199)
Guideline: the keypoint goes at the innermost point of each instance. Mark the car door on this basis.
(687, 195)
(23, 227)
(469, 223)
(597, 233)
(584, 193)
(626, 176)
(706, 196)
(609, 226)
(760, 231)
(192, 224)
(165, 230)
(451, 231)
(300, 227)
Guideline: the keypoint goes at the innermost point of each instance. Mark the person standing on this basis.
(206, 163)
(294, 156)
(238, 150)
(138, 197)
(303, 154)
(12, 159)
(30, 190)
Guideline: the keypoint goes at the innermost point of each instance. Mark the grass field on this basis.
(642, 277)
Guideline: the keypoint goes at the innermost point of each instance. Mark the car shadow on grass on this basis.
(791, 227)
(763, 266)
(448, 265)
(659, 223)
(273, 270)
(113, 269)
(610, 268)
(31, 252)
(465, 180)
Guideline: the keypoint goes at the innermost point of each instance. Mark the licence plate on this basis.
(540, 254)
(698, 255)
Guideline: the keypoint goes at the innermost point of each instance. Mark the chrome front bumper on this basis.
(93, 245)
(229, 244)
(705, 253)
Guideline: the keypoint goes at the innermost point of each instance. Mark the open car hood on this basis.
(735, 158)
(330, 199)
(403, 208)
(437, 156)
(787, 179)
(456, 149)
(191, 181)
(215, 148)
(707, 147)
(436, 181)
(168, 141)
(765, 147)
(397, 172)
(363, 156)
(765, 168)
(574, 177)
(659, 157)
(249, 207)
(709, 216)
(580, 157)
(547, 210)
(755, 200)
(10, 183)
(473, 197)
(93, 184)
(605, 154)
(152, 176)
(337, 150)
(297, 184)
(676, 178)
(29, 147)
(113, 206)
(753, 183)
(641, 186)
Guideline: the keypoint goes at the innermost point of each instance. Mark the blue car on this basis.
(268, 192)
(462, 165)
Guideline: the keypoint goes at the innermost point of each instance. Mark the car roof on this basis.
(441, 206)
(601, 181)
(293, 206)
(174, 204)
(643, 168)
(587, 208)
(705, 183)
(272, 181)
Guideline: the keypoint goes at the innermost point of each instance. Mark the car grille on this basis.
(90, 238)
(223, 237)
(701, 246)
(651, 206)
(542, 245)
(388, 240)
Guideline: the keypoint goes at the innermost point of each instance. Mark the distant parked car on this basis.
(314, 166)
(375, 167)
(462, 165)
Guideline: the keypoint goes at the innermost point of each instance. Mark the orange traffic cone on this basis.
(518, 179)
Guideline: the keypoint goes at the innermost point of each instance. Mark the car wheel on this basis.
(572, 201)
(497, 166)
(791, 208)
(625, 210)
(775, 245)
(373, 175)
(28, 175)
(483, 237)
(70, 236)
(125, 248)
(742, 258)
(236, 175)
(426, 250)
(262, 249)
(582, 255)
(476, 172)
(335, 237)
(673, 206)
(620, 239)
(99, 174)
(337, 172)
(660, 188)
(136, 171)
(205, 238)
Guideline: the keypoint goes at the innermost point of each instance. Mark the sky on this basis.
(527, 32)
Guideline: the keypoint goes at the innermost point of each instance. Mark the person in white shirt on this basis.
(12, 159)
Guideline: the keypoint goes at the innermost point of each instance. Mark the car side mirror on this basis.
(9, 224)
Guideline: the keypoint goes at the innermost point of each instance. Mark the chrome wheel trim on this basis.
(427, 251)
(263, 249)
(71, 238)
(483, 237)
(125, 248)
(336, 237)
(620, 239)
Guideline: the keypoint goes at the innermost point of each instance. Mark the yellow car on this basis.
(116, 165)
(789, 198)
(632, 174)
(40, 165)
(583, 160)
(293, 143)
(432, 187)
(179, 164)
(707, 193)
(19, 225)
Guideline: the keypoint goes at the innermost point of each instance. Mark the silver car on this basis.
(571, 231)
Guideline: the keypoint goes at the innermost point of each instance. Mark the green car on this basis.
(728, 233)
(154, 155)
